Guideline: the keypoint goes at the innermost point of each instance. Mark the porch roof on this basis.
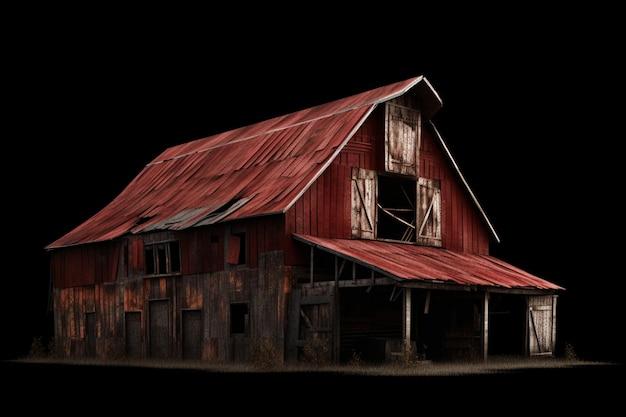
(413, 263)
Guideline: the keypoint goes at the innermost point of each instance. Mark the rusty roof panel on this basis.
(412, 262)
(269, 164)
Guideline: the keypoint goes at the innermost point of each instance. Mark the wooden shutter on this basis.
(401, 139)
(234, 246)
(429, 212)
(363, 219)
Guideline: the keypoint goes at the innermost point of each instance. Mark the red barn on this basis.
(348, 225)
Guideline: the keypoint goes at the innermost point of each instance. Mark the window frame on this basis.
(164, 258)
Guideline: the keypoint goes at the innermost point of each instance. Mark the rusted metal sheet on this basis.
(421, 263)
(262, 167)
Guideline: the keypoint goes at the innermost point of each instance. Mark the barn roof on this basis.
(430, 265)
(251, 171)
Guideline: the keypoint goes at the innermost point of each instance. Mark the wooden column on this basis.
(485, 325)
(406, 312)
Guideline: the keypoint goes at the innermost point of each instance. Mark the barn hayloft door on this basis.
(541, 324)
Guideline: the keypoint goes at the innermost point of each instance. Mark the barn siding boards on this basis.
(462, 227)
(205, 247)
(268, 307)
(164, 303)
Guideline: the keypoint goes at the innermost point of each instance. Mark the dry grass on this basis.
(419, 368)
(264, 358)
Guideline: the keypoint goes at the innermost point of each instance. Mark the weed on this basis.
(263, 354)
(316, 351)
(570, 355)
(37, 349)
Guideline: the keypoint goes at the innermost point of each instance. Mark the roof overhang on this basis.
(411, 265)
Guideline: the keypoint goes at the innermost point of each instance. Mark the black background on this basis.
(530, 113)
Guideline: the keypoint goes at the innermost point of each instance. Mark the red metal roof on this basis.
(411, 262)
(254, 170)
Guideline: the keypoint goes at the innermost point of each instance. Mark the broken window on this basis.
(395, 208)
(163, 258)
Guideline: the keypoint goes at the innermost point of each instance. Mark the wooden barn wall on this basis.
(264, 234)
(265, 289)
(202, 250)
(70, 307)
(85, 264)
(324, 209)
(366, 145)
(463, 229)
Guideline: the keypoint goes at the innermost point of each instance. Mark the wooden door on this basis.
(134, 339)
(541, 324)
(159, 343)
(192, 334)
(90, 335)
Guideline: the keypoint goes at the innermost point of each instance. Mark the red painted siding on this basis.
(463, 229)
(85, 265)
(324, 209)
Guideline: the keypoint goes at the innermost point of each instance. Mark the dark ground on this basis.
(82, 389)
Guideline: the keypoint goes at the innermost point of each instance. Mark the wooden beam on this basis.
(406, 312)
(311, 267)
(485, 335)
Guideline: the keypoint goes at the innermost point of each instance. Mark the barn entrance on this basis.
(507, 335)
(443, 324)
(371, 323)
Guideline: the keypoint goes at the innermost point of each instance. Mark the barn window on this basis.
(396, 208)
(163, 258)
(396, 205)
(239, 318)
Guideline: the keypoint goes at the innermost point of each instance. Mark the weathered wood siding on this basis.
(264, 289)
(202, 250)
(85, 265)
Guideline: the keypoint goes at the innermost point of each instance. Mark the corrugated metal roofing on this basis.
(403, 261)
(251, 171)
